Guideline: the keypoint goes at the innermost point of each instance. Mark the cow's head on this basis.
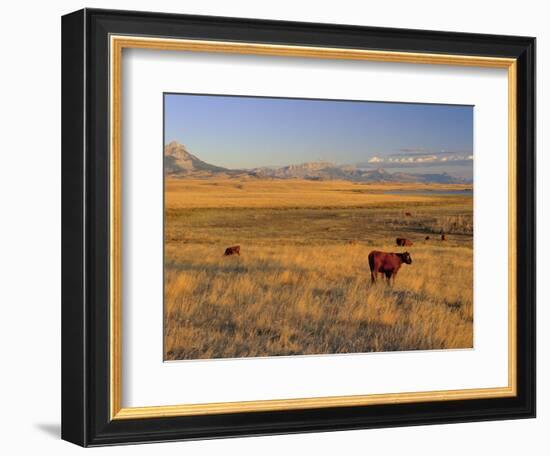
(406, 258)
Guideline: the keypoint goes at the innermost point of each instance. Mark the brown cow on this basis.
(235, 250)
(427, 238)
(352, 242)
(401, 242)
(387, 264)
(408, 214)
(443, 237)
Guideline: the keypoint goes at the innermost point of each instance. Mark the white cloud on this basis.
(376, 159)
(416, 158)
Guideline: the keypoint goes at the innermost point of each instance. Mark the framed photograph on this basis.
(278, 227)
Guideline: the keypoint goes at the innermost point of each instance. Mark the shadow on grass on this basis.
(232, 265)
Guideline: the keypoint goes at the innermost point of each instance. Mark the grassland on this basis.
(300, 286)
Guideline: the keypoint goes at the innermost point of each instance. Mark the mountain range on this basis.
(179, 162)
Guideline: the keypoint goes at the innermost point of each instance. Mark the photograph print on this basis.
(315, 227)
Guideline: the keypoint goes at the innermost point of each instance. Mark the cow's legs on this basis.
(372, 276)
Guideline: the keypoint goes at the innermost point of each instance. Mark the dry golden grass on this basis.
(289, 193)
(299, 286)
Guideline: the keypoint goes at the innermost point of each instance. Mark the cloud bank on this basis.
(413, 157)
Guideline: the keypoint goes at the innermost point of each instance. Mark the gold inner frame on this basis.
(117, 44)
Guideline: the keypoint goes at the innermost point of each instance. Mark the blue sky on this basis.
(248, 132)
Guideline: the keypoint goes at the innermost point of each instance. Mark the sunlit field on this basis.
(301, 284)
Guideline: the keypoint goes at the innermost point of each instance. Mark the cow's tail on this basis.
(371, 266)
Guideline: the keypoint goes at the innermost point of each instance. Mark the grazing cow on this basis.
(402, 242)
(427, 238)
(408, 214)
(443, 237)
(352, 242)
(387, 264)
(235, 250)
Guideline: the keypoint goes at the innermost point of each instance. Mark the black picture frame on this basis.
(85, 228)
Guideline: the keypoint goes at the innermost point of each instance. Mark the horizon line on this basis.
(410, 166)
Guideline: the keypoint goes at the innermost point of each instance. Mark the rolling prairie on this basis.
(302, 282)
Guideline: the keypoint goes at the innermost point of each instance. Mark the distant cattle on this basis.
(427, 238)
(402, 242)
(443, 237)
(408, 214)
(235, 250)
(352, 242)
(387, 264)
